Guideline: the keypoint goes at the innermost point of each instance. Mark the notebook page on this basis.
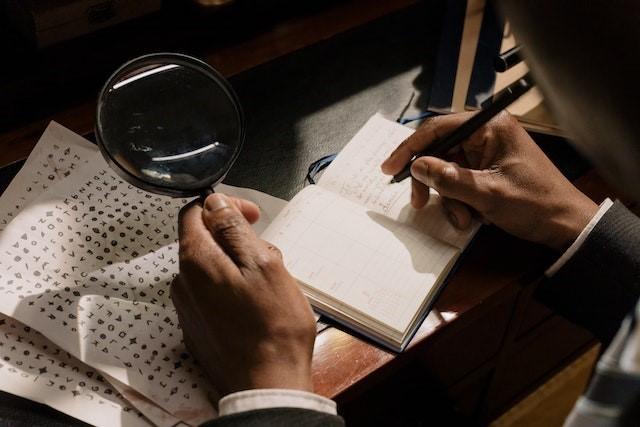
(355, 174)
(378, 266)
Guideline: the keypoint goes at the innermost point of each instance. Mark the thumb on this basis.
(469, 186)
(230, 229)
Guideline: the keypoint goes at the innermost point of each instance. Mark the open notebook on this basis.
(361, 253)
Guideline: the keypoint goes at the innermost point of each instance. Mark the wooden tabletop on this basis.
(476, 320)
(493, 271)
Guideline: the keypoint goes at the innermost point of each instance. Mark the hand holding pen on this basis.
(500, 176)
(440, 147)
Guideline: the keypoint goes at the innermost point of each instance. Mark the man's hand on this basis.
(500, 174)
(242, 314)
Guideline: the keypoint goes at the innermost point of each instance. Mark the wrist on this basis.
(570, 220)
(282, 376)
(282, 373)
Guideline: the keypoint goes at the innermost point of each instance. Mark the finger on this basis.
(231, 230)
(248, 209)
(458, 213)
(430, 131)
(197, 246)
(466, 185)
(419, 194)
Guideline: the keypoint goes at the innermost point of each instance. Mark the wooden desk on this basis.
(492, 342)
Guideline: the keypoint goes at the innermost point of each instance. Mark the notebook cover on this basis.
(483, 75)
(444, 76)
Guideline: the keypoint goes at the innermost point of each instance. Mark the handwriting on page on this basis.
(352, 254)
(355, 174)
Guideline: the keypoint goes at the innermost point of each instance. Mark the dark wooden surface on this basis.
(60, 83)
(491, 342)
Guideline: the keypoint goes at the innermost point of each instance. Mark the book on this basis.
(362, 255)
(472, 36)
(530, 109)
(461, 26)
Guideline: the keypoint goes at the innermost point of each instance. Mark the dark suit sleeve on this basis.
(600, 283)
(277, 417)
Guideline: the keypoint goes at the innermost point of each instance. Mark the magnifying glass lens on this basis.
(169, 124)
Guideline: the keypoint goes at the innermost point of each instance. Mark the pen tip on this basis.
(393, 181)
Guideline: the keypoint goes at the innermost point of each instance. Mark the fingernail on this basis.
(420, 171)
(216, 202)
(453, 220)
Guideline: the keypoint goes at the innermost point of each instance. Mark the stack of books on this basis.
(473, 35)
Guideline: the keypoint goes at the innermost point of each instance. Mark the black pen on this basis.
(499, 103)
(506, 60)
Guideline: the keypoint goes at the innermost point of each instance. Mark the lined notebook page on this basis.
(378, 266)
(355, 174)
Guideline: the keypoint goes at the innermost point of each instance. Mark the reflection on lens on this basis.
(169, 124)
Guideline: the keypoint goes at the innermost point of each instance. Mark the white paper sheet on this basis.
(33, 367)
(69, 151)
(79, 394)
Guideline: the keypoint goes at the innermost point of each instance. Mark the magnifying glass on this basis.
(169, 124)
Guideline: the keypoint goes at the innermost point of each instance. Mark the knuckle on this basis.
(503, 121)
(445, 177)
(228, 224)
(421, 163)
(268, 262)
(497, 193)
(275, 250)
(495, 189)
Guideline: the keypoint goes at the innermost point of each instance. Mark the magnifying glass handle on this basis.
(206, 193)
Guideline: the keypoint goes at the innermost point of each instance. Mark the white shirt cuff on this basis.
(566, 256)
(250, 400)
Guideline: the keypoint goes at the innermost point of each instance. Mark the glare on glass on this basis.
(170, 124)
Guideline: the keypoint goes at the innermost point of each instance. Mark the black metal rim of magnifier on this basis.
(180, 59)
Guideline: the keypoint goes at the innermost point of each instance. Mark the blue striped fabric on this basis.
(613, 395)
